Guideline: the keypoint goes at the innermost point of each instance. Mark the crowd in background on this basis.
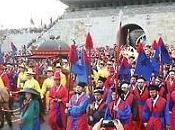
(128, 100)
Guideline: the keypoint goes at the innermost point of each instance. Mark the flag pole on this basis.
(89, 71)
(160, 57)
(89, 47)
(70, 76)
(117, 47)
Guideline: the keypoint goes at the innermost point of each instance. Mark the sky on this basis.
(16, 14)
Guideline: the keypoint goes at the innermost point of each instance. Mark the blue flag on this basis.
(156, 62)
(81, 68)
(165, 57)
(125, 70)
(143, 66)
(156, 59)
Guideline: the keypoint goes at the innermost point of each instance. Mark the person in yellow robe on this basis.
(21, 76)
(102, 71)
(31, 82)
(47, 84)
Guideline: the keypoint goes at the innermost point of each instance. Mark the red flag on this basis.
(73, 54)
(139, 48)
(160, 42)
(89, 42)
(154, 45)
(86, 57)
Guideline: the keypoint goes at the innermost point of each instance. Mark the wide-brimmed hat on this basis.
(103, 79)
(98, 90)
(30, 72)
(8, 65)
(58, 65)
(50, 69)
(64, 60)
(29, 90)
(22, 66)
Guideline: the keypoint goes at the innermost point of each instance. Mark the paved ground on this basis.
(44, 126)
(16, 127)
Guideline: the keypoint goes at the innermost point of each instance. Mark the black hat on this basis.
(118, 90)
(8, 64)
(103, 79)
(82, 84)
(29, 90)
(131, 57)
(113, 89)
(99, 90)
(160, 77)
(135, 76)
(171, 71)
(153, 87)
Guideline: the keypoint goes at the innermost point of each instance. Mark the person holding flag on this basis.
(143, 65)
(76, 109)
(170, 83)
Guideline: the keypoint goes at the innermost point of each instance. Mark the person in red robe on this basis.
(162, 87)
(133, 81)
(128, 98)
(58, 95)
(172, 110)
(4, 77)
(119, 110)
(170, 83)
(76, 109)
(111, 79)
(101, 84)
(141, 94)
(156, 111)
(110, 83)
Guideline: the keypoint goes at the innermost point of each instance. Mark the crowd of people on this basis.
(49, 89)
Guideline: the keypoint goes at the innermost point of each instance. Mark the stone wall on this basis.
(104, 23)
